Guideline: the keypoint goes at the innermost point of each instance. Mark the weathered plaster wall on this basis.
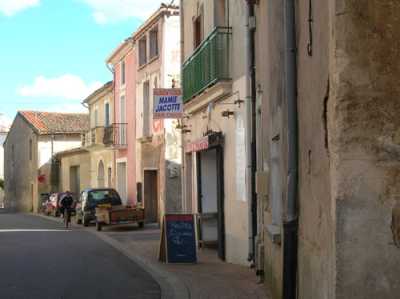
(316, 255)
(20, 172)
(364, 130)
(271, 132)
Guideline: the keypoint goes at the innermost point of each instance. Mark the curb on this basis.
(171, 286)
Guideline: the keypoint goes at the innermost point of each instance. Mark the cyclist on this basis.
(66, 203)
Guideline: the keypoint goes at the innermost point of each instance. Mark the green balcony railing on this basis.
(209, 64)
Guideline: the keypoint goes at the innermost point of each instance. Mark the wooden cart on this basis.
(107, 215)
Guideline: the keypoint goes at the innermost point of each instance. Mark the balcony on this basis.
(115, 135)
(94, 137)
(209, 64)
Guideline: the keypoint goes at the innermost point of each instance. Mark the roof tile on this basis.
(57, 123)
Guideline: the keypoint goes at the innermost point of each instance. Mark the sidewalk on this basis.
(210, 278)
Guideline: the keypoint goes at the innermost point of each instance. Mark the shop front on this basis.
(208, 155)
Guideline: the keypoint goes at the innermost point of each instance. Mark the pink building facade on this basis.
(123, 63)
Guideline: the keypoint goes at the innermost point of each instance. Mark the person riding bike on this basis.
(66, 204)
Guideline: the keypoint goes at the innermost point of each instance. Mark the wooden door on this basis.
(150, 196)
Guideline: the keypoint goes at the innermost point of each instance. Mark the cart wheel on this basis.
(99, 226)
(141, 224)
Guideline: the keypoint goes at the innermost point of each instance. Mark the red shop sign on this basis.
(198, 145)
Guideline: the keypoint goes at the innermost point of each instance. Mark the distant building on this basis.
(101, 139)
(122, 135)
(158, 142)
(3, 135)
(33, 139)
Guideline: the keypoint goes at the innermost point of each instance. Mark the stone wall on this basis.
(364, 144)
(20, 172)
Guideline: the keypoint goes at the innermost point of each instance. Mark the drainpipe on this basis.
(290, 223)
(111, 69)
(183, 154)
(251, 154)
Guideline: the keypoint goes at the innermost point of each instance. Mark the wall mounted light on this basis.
(227, 113)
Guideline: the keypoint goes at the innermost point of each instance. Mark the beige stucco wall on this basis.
(236, 208)
(98, 103)
(81, 159)
(98, 151)
(107, 157)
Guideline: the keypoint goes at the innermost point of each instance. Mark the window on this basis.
(122, 117)
(123, 72)
(219, 15)
(107, 114)
(142, 51)
(146, 108)
(153, 43)
(104, 197)
(96, 117)
(109, 177)
(198, 31)
(30, 150)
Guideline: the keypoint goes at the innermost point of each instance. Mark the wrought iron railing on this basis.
(116, 135)
(209, 63)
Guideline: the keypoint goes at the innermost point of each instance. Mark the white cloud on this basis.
(67, 108)
(67, 86)
(5, 122)
(11, 7)
(110, 11)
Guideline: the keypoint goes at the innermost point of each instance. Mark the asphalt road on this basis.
(40, 259)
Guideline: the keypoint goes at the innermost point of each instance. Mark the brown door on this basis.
(150, 195)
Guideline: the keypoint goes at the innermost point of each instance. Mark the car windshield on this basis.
(104, 196)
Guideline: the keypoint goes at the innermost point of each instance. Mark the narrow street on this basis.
(40, 259)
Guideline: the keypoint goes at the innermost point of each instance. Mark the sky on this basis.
(53, 52)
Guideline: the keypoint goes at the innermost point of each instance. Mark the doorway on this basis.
(100, 175)
(150, 196)
(211, 199)
(74, 180)
(121, 181)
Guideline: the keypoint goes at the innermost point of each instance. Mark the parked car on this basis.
(54, 208)
(92, 198)
(55, 203)
(46, 206)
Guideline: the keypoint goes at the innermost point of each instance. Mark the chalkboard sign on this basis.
(178, 240)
